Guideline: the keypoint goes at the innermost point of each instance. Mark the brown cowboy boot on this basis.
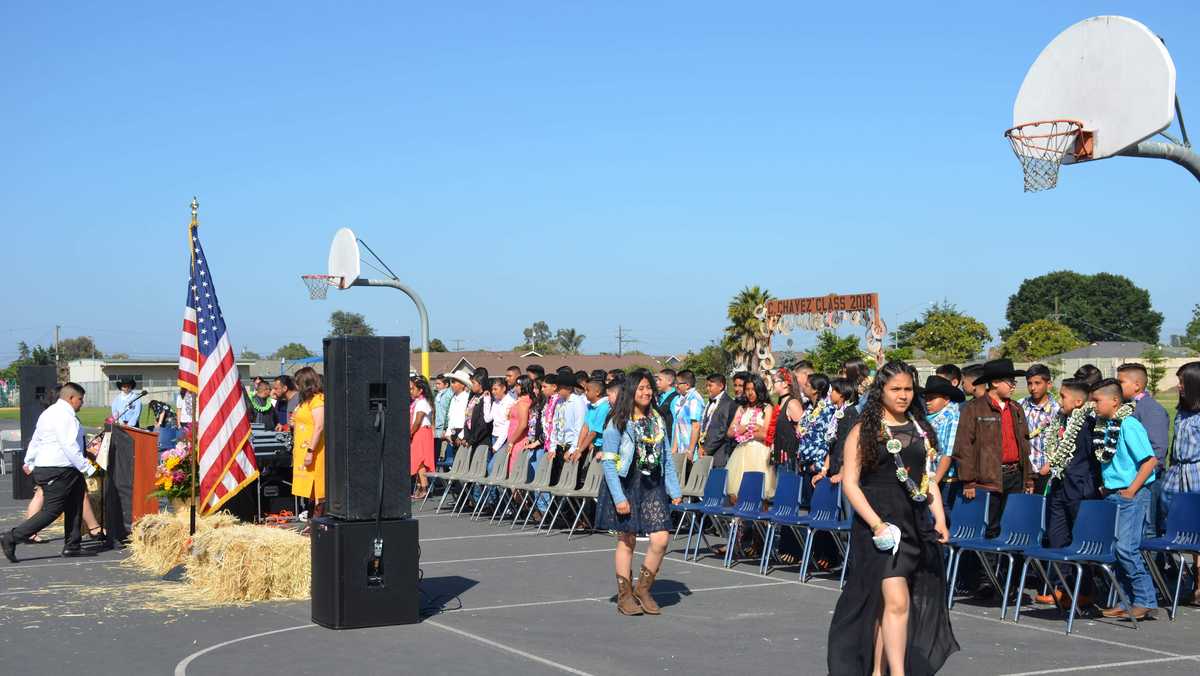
(625, 603)
(642, 593)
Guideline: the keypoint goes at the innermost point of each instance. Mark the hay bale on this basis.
(159, 541)
(250, 563)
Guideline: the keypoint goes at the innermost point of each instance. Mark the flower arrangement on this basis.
(173, 476)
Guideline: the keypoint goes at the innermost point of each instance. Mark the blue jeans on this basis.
(1156, 518)
(444, 454)
(1132, 573)
(543, 499)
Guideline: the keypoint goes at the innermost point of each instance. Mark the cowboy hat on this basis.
(943, 388)
(997, 369)
(461, 376)
(126, 380)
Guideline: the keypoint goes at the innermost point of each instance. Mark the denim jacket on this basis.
(618, 455)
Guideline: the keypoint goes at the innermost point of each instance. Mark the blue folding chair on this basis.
(749, 492)
(784, 506)
(748, 507)
(828, 513)
(786, 499)
(1182, 537)
(1093, 541)
(968, 521)
(714, 498)
(1021, 528)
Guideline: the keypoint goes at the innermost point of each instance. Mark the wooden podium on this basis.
(132, 461)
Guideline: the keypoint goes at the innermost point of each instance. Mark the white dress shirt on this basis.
(58, 440)
(500, 410)
(457, 418)
(572, 412)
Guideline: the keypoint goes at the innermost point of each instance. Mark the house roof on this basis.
(109, 363)
(497, 362)
(1116, 350)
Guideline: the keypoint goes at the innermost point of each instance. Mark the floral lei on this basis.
(917, 493)
(648, 435)
(1060, 438)
(812, 416)
(838, 414)
(1106, 449)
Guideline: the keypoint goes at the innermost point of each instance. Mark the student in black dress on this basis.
(843, 395)
(893, 606)
(786, 442)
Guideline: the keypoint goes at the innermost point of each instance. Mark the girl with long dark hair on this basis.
(308, 441)
(893, 606)
(639, 482)
(786, 440)
(518, 418)
(814, 427)
(751, 422)
(420, 431)
(1183, 476)
(843, 396)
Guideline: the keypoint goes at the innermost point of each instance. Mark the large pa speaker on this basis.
(349, 589)
(37, 394)
(366, 381)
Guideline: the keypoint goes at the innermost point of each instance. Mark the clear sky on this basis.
(587, 164)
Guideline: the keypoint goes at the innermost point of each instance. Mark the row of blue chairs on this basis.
(1093, 544)
(825, 514)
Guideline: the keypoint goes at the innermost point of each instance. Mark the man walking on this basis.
(55, 459)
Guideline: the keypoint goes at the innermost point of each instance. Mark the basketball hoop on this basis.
(1043, 146)
(318, 285)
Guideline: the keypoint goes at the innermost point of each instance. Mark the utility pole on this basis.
(457, 344)
(621, 340)
(56, 328)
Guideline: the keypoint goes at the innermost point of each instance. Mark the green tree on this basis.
(1039, 339)
(249, 355)
(1191, 335)
(83, 347)
(710, 359)
(569, 341)
(949, 335)
(343, 323)
(831, 352)
(744, 335)
(1097, 307)
(436, 345)
(899, 354)
(291, 351)
(538, 337)
(1155, 368)
(903, 335)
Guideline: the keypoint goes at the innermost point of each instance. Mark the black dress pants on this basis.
(62, 493)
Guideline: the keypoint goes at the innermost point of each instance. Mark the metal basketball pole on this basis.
(397, 284)
(1178, 151)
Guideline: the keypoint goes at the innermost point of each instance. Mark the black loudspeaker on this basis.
(366, 382)
(348, 589)
(37, 394)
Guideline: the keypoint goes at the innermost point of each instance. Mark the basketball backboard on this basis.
(1112, 75)
(344, 261)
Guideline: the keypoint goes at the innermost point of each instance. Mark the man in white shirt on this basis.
(55, 459)
(126, 405)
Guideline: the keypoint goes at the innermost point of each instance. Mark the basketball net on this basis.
(318, 285)
(1041, 146)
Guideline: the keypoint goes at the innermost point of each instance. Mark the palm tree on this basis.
(569, 341)
(743, 336)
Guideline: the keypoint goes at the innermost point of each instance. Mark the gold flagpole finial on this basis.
(195, 211)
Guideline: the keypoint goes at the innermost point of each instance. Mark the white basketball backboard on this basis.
(1110, 73)
(343, 257)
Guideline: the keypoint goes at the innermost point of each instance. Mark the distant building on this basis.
(1108, 355)
(159, 376)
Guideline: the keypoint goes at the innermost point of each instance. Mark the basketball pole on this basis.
(1179, 154)
(397, 284)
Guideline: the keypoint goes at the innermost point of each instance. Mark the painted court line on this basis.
(181, 668)
(507, 649)
(18, 567)
(606, 597)
(518, 556)
(475, 537)
(1108, 665)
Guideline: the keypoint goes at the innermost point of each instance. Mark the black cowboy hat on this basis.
(944, 388)
(997, 369)
(126, 380)
(564, 379)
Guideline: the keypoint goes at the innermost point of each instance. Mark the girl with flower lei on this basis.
(895, 588)
(814, 427)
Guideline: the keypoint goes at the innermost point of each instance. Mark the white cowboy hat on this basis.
(461, 376)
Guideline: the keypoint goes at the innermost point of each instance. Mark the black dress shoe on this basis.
(75, 553)
(9, 546)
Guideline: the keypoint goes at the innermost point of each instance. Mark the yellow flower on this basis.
(171, 462)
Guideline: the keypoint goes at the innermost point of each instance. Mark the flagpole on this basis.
(195, 418)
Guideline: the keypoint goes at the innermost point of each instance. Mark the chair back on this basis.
(680, 460)
(569, 475)
(750, 493)
(698, 477)
(462, 462)
(968, 518)
(786, 503)
(591, 482)
(1183, 520)
(541, 474)
(714, 487)
(826, 502)
(479, 460)
(499, 469)
(1095, 531)
(1023, 521)
(520, 467)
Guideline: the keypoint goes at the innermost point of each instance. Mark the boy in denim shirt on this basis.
(1127, 463)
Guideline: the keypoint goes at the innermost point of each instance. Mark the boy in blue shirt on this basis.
(1127, 463)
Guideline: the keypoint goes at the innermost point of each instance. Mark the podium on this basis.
(132, 461)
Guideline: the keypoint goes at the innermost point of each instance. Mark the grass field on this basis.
(89, 416)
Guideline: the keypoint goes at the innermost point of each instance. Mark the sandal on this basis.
(787, 559)
(34, 539)
(93, 534)
(822, 564)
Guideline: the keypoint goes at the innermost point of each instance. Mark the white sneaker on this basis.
(303, 516)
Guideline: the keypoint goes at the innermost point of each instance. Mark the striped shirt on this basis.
(945, 426)
(1038, 418)
(1183, 474)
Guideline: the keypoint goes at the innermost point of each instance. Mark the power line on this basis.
(621, 340)
(457, 344)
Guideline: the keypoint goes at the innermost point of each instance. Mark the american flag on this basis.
(207, 368)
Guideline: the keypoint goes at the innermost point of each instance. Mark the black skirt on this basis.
(649, 506)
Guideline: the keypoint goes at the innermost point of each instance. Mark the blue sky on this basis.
(587, 164)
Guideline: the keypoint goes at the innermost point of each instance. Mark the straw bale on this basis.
(250, 563)
(159, 541)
